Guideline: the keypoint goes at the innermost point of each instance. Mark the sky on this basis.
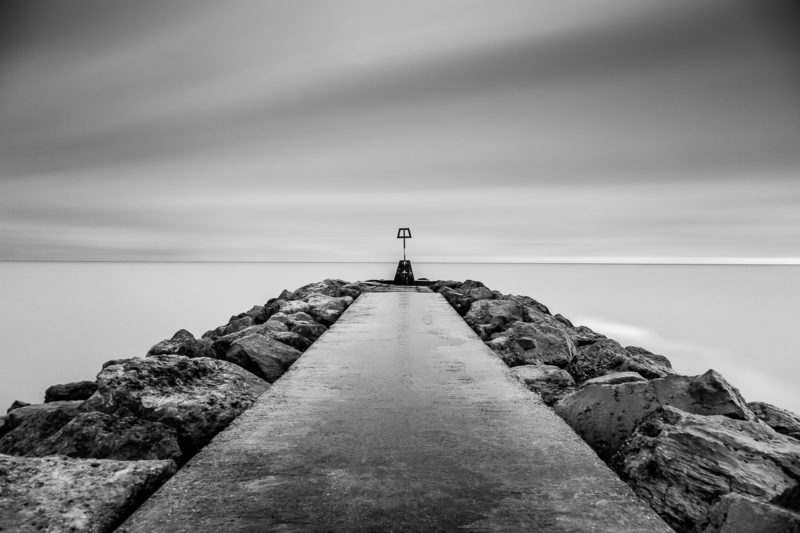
(196, 130)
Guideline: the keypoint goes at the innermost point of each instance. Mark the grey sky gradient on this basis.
(310, 130)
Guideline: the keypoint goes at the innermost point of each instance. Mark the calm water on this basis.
(60, 321)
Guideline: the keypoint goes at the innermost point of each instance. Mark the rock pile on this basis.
(690, 446)
(94, 450)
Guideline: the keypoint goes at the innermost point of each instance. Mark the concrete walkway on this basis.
(397, 419)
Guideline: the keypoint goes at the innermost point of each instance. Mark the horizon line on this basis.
(653, 261)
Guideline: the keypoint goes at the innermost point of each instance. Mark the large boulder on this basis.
(550, 382)
(780, 420)
(196, 396)
(264, 356)
(606, 355)
(290, 320)
(650, 356)
(59, 494)
(268, 329)
(105, 436)
(183, 343)
(682, 464)
(16, 404)
(614, 378)
(29, 425)
(78, 390)
(310, 331)
(295, 340)
(458, 300)
(604, 415)
(327, 309)
(486, 317)
(532, 309)
(583, 335)
(327, 287)
(736, 513)
(540, 343)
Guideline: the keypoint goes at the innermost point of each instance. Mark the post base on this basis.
(404, 274)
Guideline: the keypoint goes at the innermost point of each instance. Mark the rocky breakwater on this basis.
(94, 450)
(690, 446)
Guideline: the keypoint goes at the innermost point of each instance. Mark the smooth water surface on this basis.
(60, 321)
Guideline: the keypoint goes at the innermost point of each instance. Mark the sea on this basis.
(59, 321)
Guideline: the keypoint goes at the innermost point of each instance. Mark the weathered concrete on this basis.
(397, 419)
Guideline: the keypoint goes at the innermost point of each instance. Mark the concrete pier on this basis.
(397, 419)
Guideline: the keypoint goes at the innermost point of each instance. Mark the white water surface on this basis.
(60, 321)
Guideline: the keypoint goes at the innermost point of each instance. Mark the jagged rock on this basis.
(2, 425)
(508, 351)
(310, 331)
(735, 513)
(327, 287)
(264, 356)
(327, 309)
(457, 299)
(564, 320)
(789, 499)
(607, 355)
(291, 320)
(655, 358)
(183, 343)
(30, 411)
(290, 307)
(531, 307)
(539, 343)
(60, 494)
(113, 362)
(258, 313)
(197, 397)
(682, 463)
(79, 390)
(267, 329)
(549, 381)
(780, 420)
(235, 324)
(584, 336)
(605, 415)
(16, 404)
(489, 316)
(614, 378)
(29, 425)
(354, 290)
(104, 436)
(294, 340)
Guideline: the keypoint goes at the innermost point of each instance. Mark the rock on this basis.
(539, 343)
(789, 499)
(735, 513)
(197, 397)
(489, 316)
(508, 351)
(2, 425)
(290, 307)
(658, 359)
(682, 463)
(104, 436)
(614, 378)
(457, 299)
(16, 404)
(607, 355)
(29, 425)
(605, 415)
(310, 331)
(328, 287)
(549, 381)
(183, 343)
(60, 494)
(21, 414)
(294, 340)
(327, 309)
(780, 420)
(258, 313)
(565, 321)
(79, 390)
(584, 336)
(113, 362)
(532, 307)
(264, 356)
(291, 320)
(267, 329)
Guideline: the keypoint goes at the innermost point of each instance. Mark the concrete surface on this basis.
(397, 419)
